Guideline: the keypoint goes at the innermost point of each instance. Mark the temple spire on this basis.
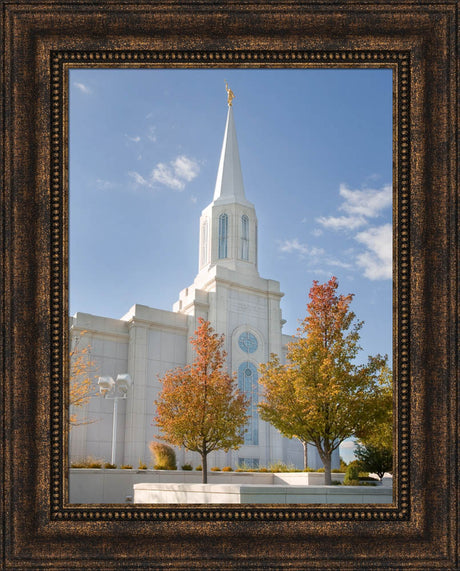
(229, 183)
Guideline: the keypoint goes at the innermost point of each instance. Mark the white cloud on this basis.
(294, 246)
(314, 254)
(367, 202)
(185, 168)
(317, 232)
(151, 136)
(138, 178)
(194, 199)
(82, 87)
(164, 174)
(321, 272)
(377, 260)
(104, 184)
(174, 175)
(338, 263)
(180, 170)
(135, 139)
(342, 222)
(359, 205)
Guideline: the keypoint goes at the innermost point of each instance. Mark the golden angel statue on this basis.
(230, 94)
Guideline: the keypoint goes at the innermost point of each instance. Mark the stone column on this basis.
(135, 422)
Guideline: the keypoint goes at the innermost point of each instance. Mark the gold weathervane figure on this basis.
(230, 94)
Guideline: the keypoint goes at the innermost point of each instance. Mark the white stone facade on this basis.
(147, 342)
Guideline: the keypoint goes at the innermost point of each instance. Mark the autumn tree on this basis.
(82, 375)
(200, 407)
(321, 396)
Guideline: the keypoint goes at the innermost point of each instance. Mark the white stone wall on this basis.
(145, 343)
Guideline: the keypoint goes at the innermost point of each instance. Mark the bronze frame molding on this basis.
(40, 42)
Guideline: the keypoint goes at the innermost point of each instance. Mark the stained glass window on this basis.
(247, 342)
(247, 383)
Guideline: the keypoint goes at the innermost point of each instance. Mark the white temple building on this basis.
(146, 342)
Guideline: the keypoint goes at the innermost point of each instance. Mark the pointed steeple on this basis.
(228, 225)
(229, 183)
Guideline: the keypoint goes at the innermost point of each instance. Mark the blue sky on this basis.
(316, 156)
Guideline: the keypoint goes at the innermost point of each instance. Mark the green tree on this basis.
(200, 406)
(374, 459)
(375, 449)
(380, 433)
(321, 396)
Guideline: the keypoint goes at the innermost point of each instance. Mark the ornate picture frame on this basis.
(41, 42)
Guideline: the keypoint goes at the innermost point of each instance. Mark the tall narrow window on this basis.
(255, 243)
(247, 384)
(244, 237)
(204, 244)
(223, 235)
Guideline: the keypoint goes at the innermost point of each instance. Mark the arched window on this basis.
(223, 235)
(248, 384)
(204, 243)
(244, 237)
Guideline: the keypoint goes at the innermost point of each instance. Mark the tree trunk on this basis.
(327, 469)
(305, 455)
(204, 466)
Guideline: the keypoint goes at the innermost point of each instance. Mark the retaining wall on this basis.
(105, 486)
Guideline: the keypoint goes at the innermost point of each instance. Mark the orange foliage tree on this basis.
(82, 375)
(200, 406)
(321, 396)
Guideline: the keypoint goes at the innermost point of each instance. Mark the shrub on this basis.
(187, 467)
(142, 465)
(243, 467)
(77, 464)
(215, 469)
(320, 470)
(335, 483)
(93, 463)
(126, 467)
(89, 462)
(164, 457)
(343, 465)
(227, 469)
(308, 470)
(352, 474)
(263, 469)
(199, 468)
(282, 467)
(109, 466)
